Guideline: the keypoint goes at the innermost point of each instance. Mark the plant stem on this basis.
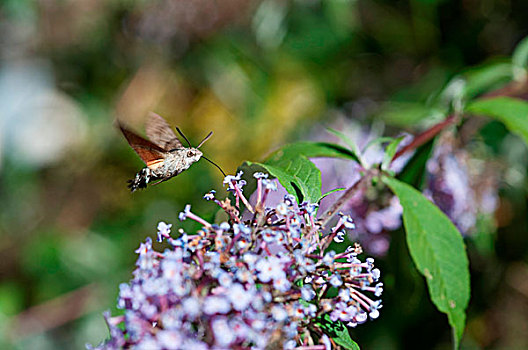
(425, 136)
(347, 195)
(513, 89)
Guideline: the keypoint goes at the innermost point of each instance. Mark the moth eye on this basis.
(190, 154)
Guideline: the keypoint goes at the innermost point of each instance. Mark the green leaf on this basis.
(343, 339)
(510, 111)
(332, 191)
(438, 250)
(390, 151)
(299, 177)
(405, 114)
(376, 141)
(414, 171)
(350, 143)
(311, 150)
(338, 332)
(485, 77)
(520, 55)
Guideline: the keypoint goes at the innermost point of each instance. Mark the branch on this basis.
(347, 195)
(425, 136)
(513, 89)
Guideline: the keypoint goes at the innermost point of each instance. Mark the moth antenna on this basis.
(216, 165)
(205, 139)
(181, 133)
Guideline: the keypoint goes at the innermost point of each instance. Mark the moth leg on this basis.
(160, 181)
(141, 180)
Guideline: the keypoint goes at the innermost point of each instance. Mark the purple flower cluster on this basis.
(461, 194)
(261, 283)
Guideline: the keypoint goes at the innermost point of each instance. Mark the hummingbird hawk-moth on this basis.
(164, 155)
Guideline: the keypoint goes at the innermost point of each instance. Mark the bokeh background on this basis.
(258, 73)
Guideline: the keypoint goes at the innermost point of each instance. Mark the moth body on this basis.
(175, 162)
(178, 160)
(163, 153)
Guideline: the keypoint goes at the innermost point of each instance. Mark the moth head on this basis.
(192, 155)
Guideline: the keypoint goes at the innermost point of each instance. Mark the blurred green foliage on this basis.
(259, 74)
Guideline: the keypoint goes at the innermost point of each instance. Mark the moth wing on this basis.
(160, 133)
(151, 154)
